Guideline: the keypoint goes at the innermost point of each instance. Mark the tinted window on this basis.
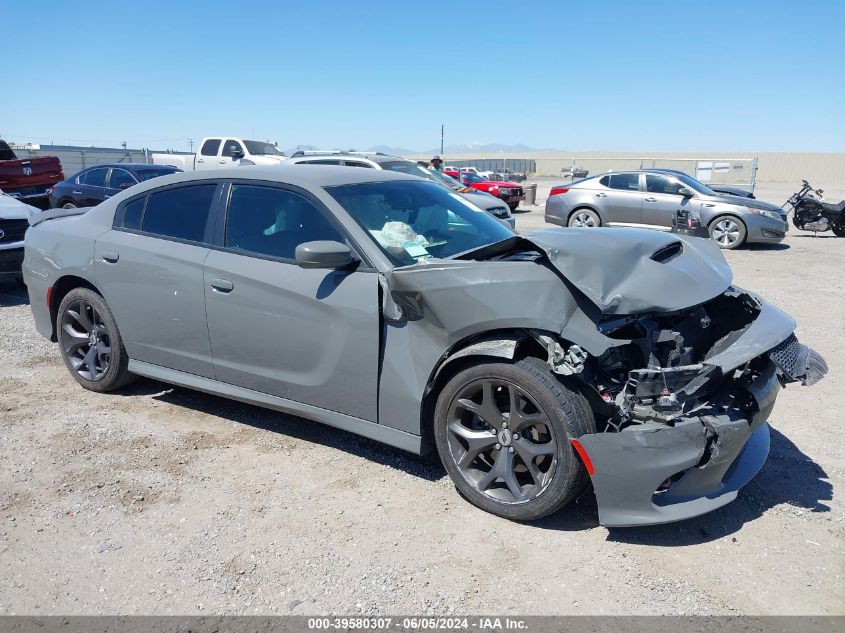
(231, 147)
(121, 179)
(628, 182)
(132, 214)
(210, 147)
(661, 184)
(319, 162)
(181, 213)
(95, 177)
(145, 173)
(352, 163)
(274, 222)
(411, 219)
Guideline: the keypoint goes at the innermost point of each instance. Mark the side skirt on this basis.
(371, 430)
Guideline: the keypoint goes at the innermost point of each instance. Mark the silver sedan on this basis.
(650, 198)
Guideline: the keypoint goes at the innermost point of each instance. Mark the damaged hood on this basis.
(626, 271)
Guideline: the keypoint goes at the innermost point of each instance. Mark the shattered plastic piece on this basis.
(563, 361)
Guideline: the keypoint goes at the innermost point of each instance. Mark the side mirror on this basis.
(686, 193)
(237, 153)
(323, 254)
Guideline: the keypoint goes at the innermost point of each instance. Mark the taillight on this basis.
(556, 191)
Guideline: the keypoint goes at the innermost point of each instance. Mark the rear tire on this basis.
(69, 205)
(90, 342)
(728, 231)
(584, 217)
(838, 230)
(512, 460)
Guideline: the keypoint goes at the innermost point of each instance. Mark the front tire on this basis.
(728, 231)
(586, 218)
(68, 205)
(90, 342)
(503, 434)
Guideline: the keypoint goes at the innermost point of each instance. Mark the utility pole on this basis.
(190, 144)
(442, 130)
(123, 144)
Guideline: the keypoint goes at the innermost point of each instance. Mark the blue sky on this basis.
(627, 76)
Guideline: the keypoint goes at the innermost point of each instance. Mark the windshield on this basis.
(261, 148)
(695, 185)
(412, 220)
(147, 173)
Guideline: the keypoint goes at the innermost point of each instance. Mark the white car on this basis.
(14, 220)
(218, 152)
(486, 174)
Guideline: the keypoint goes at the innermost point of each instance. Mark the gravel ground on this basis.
(159, 500)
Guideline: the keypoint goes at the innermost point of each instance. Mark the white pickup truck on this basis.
(217, 152)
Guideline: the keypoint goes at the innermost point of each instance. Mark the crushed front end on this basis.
(681, 401)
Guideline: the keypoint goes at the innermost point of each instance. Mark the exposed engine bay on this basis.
(660, 370)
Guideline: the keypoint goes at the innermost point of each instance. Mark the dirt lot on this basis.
(162, 500)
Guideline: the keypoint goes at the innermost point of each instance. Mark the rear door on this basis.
(308, 335)
(662, 199)
(91, 189)
(119, 179)
(150, 270)
(207, 156)
(619, 198)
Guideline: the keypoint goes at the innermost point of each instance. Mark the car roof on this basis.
(302, 175)
(376, 157)
(131, 166)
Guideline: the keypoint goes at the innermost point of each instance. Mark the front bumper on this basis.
(11, 258)
(658, 472)
(765, 230)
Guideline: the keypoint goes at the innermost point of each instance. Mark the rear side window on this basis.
(273, 222)
(210, 147)
(132, 214)
(95, 177)
(181, 213)
(626, 182)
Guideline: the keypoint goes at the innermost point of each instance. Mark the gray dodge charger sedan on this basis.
(651, 197)
(392, 307)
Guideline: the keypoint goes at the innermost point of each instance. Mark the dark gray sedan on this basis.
(392, 307)
(650, 198)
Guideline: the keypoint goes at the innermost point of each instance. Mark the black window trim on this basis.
(210, 222)
(218, 241)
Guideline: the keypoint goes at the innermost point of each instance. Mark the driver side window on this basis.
(273, 222)
(662, 184)
(230, 148)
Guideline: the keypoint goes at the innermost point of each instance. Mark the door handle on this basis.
(222, 285)
(650, 199)
(110, 256)
(77, 193)
(200, 160)
(707, 204)
(222, 162)
(601, 195)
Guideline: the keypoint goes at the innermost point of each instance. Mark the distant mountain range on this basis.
(450, 149)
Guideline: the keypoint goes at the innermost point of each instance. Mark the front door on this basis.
(231, 152)
(662, 199)
(308, 335)
(150, 271)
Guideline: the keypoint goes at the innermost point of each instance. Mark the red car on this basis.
(28, 179)
(509, 192)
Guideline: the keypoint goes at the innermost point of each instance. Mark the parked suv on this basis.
(651, 197)
(377, 160)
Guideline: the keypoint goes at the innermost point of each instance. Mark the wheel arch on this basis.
(508, 345)
(589, 207)
(59, 291)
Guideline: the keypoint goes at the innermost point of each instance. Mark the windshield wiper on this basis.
(500, 249)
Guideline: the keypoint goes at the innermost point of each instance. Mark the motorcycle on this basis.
(811, 213)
